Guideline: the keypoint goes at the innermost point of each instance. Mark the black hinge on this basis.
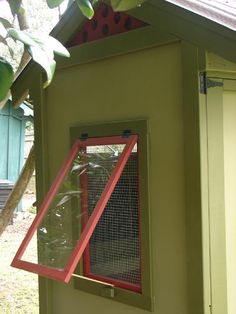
(206, 83)
(126, 133)
(84, 136)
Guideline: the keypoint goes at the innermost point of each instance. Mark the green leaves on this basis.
(41, 49)
(5, 22)
(86, 8)
(54, 3)
(124, 5)
(56, 46)
(6, 77)
(21, 36)
(46, 62)
(14, 5)
(43, 53)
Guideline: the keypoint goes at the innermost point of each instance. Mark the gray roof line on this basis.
(219, 11)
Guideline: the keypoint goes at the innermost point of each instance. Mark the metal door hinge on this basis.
(206, 83)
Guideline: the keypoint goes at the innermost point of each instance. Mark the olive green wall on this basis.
(145, 84)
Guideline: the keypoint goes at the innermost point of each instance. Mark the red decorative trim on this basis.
(66, 273)
(105, 23)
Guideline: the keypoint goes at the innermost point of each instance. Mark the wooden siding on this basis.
(12, 128)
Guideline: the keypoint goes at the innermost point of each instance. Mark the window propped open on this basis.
(74, 205)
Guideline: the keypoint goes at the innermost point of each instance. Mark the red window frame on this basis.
(66, 274)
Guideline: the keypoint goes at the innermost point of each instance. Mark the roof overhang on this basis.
(219, 11)
(163, 15)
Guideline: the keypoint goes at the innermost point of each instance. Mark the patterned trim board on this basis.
(105, 23)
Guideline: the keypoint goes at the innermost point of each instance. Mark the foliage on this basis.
(123, 5)
(42, 49)
(32, 210)
(6, 77)
(86, 8)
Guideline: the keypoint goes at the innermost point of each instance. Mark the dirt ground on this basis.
(18, 288)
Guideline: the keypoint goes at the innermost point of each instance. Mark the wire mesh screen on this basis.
(113, 251)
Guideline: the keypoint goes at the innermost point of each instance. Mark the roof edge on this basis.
(213, 13)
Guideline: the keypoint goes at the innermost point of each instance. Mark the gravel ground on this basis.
(18, 288)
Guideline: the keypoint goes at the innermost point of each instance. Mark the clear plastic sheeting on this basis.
(68, 212)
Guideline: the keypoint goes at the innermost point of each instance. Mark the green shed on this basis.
(12, 126)
(12, 141)
(141, 216)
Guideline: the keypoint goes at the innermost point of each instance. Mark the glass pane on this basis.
(67, 215)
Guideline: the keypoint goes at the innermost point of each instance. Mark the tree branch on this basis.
(22, 20)
(18, 191)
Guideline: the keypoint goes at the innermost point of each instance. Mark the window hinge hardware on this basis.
(84, 136)
(108, 292)
(206, 83)
(126, 133)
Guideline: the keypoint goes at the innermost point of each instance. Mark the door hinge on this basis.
(205, 83)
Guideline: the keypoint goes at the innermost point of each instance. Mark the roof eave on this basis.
(158, 13)
(211, 12)
(189, 27)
